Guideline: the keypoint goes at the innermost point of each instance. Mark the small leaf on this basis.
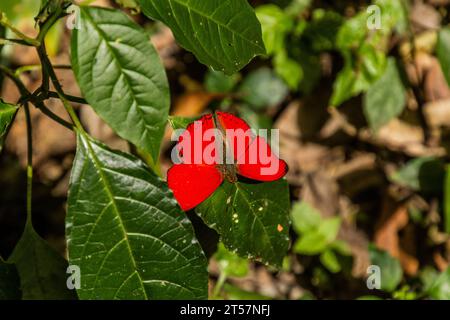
(440, 287)
(223, 34)
(7, 112)
(424, 174)
(219, 82)
(391, 270)
(9, 282)
(229, 263)
(126, 232)
(385, 99)
(330, 261)
(121, 76)
(443, 51)
(317, 240)
(304, 217)
(42, 271)
(251, 219)
(288, 69)
(275, 24)
(177, 122)
(263, 89)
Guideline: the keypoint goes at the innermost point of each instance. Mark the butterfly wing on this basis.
(238, 132)
(193, 142)
(192, 184)
(260, 163)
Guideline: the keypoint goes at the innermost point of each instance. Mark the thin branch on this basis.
(29, 161)
(53, 94)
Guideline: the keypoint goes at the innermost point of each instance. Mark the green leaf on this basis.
(385, 99)
(304, 217)
(424, 174)
(229, 263)
(126, 231)
(130, 4)
(288, 69)
(358, 75)
(42, 271)
(440, 288)
(391, 270)
(263, 89)
(7, 112)
(223, 34)
(9, 282)
(217, 81)
(275, 24)
(177, 122)
(443, 51)
(317, 240)
(330, 261)
(121, 76)
(251, 219)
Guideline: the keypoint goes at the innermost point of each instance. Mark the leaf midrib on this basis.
(109, 193)
(119, 66)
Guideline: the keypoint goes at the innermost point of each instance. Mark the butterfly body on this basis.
(232, 150)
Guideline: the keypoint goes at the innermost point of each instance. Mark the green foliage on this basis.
(121, 76)
(127, 233)
(42, 271)
(318, 235)
(10, 282)
(7, 112)
(443, 51)
(262, 89)
(225, 35)
(391, 271)
(251, 219)
(229, 263)
(437, 286)
(386, 98)
(217, 81)
(424, 174)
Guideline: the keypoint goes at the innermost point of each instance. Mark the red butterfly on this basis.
(217, 147)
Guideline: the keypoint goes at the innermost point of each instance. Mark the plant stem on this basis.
(68, 97)
(47, 66)
(28, 97)
(29, 161)
(4, 41)
(219, 284)
(7, 24)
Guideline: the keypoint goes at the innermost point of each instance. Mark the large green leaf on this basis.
(7, 112)
(42, 271)
(223, 34)
(126, 232)
(9, 282)
(252, 219)
(386, 98)
(443, 51)
(121, 76)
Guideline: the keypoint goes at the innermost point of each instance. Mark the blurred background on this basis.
(362, 101)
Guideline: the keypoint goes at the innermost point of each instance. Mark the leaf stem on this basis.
(29, 161)
(7, 24)
(219, 284)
